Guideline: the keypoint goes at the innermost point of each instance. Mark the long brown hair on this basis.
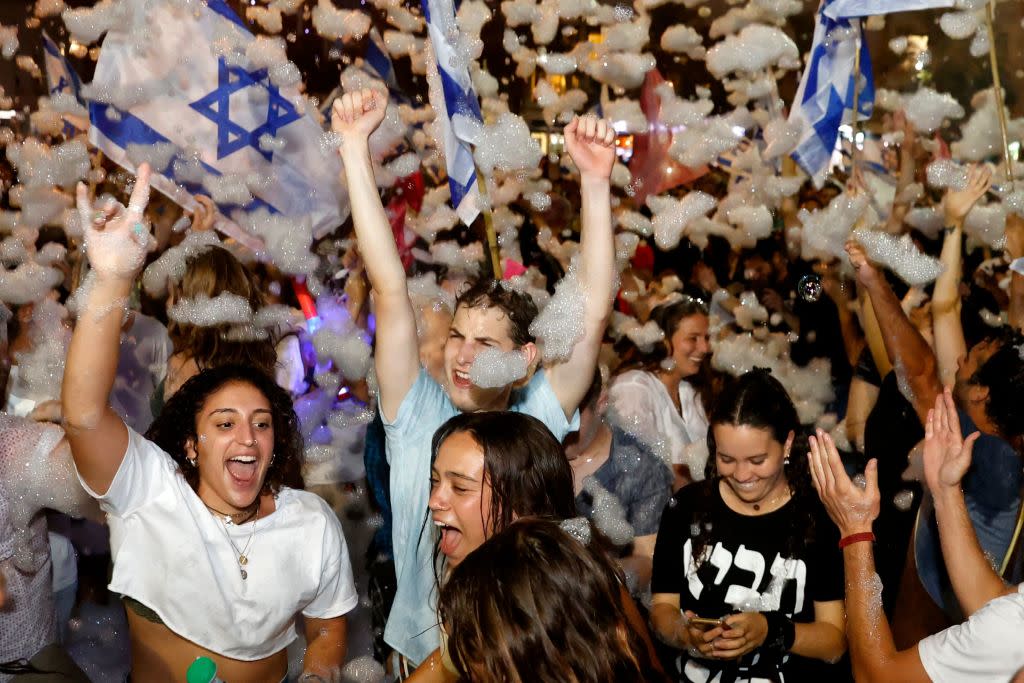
(534, 604)
(211, 273)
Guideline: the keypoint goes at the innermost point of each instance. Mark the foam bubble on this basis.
(204, 311)
(927, 109)
(958, 25)
(755, 48)
(683, 39)
(333, 23)
(494, 368)
(672, 216)
(900, 255)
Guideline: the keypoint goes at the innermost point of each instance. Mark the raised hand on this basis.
(958, 203)
(852, 508)
(204, 214)
(117, 238)
(866, 271)
(590, 142)
(947, 455)
(355, 115)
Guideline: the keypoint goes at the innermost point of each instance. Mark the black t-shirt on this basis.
(748, 563)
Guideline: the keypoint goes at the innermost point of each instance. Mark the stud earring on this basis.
(191, 461)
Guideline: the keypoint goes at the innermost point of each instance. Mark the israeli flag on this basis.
(458, 99)
(211, 118)
(61, 78)
(841, 9)
(827, 87)
(377, 60)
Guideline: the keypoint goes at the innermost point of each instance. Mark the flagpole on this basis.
(855, 157)
(492, 237)
(998, 91)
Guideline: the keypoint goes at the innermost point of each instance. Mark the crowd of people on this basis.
(641, 444)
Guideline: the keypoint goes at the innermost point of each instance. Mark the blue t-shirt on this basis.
(992, 493)
(412, 627)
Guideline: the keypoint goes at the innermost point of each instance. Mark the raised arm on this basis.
(906, 348)
(591, 144)
(116, 242)
(947, 457)
(905, 178)
(355, 116)
(949, 333)
(873, 652)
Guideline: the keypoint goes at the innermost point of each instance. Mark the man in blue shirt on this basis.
(489, 315)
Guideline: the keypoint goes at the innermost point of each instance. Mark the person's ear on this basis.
(788, 446)
(977, 393)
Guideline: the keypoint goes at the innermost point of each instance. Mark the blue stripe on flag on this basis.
(222, 8)
(131, 130)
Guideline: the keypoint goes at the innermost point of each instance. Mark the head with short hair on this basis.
(991, 377)
(489, 314)
(210, 273)
(534, 604)
(490, 468)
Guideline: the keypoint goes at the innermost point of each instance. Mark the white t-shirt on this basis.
(640, 404)
(172, 555)
(988, 647)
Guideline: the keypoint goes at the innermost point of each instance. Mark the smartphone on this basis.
(706, 624)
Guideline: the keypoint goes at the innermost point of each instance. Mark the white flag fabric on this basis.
(451, 95)
(865, 8)
(233, 133)
(827, 89)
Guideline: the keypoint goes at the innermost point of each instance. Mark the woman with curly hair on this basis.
(748, 581)
(534, 603)
(214, 551)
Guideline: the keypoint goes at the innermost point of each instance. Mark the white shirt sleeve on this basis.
(336, 594)
(146, 472)
(986, 647)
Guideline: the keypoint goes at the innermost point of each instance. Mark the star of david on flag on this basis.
(827, 89)
(216, 106)
(213, 121)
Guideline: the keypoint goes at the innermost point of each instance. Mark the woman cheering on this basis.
(214, 552)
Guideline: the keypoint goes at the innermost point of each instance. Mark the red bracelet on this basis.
(856, 538)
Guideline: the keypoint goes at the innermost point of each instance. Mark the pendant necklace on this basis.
(243, 558)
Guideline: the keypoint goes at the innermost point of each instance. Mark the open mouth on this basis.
(450, 537)
(242, 469)
(461, 379)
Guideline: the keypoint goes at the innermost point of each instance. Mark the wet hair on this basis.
(518, 307)
(533, 604)
(176, 424)
(210, 273)
(756, 399)
(524, 465)
(1003, 375)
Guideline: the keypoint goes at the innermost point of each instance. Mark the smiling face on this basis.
(235, 446)
(969, 364)
(460, 497)
(474, 329)
(690, 344)
(750, 462)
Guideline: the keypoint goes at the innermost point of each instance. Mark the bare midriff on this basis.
(159, 654)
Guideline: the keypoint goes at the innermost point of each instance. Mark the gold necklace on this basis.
(243, 558)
